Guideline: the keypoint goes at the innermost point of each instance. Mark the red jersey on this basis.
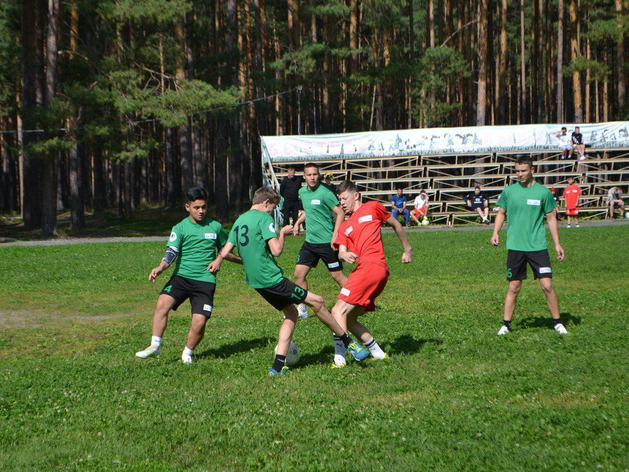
(571, 194)
(360, 233)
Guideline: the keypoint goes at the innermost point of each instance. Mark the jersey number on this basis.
(243, 239)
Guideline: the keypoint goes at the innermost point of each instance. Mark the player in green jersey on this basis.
(319, 205)
(194, 243)
(253, 234)
(524, 204)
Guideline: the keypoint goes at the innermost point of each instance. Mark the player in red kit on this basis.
(572, 193)
(359, 241)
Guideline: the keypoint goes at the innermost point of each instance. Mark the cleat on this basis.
(302, 310)
(561, 329)
(359, 352)
(338, 366)
(285, 370)
(503, 330)
(568, 226)
(576, 226)
(386, 356)
(151, 351)
(186, 359)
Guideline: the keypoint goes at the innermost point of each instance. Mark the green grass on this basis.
(453, 396)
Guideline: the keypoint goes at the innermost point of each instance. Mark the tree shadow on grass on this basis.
(407, 344)
(547, 322)
(241, 346)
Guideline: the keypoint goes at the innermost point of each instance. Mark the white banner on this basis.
(471, 140)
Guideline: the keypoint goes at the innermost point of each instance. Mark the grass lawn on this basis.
(453, 396)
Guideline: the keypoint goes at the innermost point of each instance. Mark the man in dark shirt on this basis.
(478, 202)
(289, 190)
(327, 182)
(398, 206)
(577, 143)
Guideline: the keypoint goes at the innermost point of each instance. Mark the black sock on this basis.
(507, 323)
(557, 321)
(280, 361)
(346, 339)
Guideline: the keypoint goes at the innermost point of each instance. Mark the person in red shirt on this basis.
(360, 241)
(572, 193)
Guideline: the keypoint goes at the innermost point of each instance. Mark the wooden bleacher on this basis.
(448, 178)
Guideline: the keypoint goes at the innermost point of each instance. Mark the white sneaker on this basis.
(503, 330)
(576, 226)
(186, 359)
(561, 329)
(568, 226)
(151, 351)
(302, 309)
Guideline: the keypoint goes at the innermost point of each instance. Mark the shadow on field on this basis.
(407, 344)
(547, 322)
(322, 357)
(241, 346)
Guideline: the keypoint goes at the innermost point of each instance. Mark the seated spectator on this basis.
(478, 202)
(421, 207)
(614, 199)
(398, 206)
(571, 194)
(327, 182)
(578, 144)
(564, 142)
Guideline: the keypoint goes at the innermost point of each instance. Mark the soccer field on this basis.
(453, 395)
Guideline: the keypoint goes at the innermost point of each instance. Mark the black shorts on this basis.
(283, 293)
(538, 260)
(309, 255)
(475, 207)
(201, 294)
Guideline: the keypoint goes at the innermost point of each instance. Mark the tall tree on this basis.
(575, 54)
(560, 26)
(481, 111)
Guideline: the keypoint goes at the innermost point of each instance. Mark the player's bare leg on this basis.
(301, 272)
(510, 302)
(553, 303)
(339, 277)
(195, 335)
(160, 319)
(347, 316)
(316, 303)
(283, 342)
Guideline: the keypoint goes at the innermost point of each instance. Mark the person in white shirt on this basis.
(420, 209)
(565, 145)
(614, 199)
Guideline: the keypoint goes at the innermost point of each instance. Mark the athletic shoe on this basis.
(386, 356)
(568, 226)
(576, 226)
(273, 372)
(186, 359)
(503, 330)
(561, 329)
(359, 352)
(151, 351)
(302, 309)
(338, 366)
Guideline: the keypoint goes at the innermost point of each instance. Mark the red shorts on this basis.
(572, 211)
(364, 284)
(420, 212)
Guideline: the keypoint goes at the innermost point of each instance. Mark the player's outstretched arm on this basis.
(276, 245)
(297, 224)
(171, 254)
(347, 256)
(158, 270)
(231, 257)
(500, 220)
(407, 256)
(554, 232)
(215, 265)
(340, 217)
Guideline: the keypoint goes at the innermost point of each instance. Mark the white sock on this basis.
(156, 340)
(187, 351)
(339, 351)
(375, 350)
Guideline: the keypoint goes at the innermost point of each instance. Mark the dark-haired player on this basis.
(258, 245)
(360, 241)
(194, 243)
(319, 205)
(524, 204)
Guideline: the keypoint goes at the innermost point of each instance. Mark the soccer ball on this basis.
(425, 222)
(292, 357)
(627, 215)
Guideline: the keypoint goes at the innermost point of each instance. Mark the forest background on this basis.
(115, 104)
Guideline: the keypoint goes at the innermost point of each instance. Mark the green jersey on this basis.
(318, 205)
(250, 233)
(198, 245)
(526, 208)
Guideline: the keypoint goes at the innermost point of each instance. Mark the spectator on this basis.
(614, 198)
(398, 205)
(577, 143)
(564, 142)
(421, 207)
(327, 182)
(571, 194)
(478, 202)
(289, 189)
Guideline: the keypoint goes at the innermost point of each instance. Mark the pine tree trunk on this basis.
(524, 110)
(76, 156)
(431, 23)
(501, 78)
(49, 170)
(560, 37)
(620, 56)
(481, 110)
(576, 76)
